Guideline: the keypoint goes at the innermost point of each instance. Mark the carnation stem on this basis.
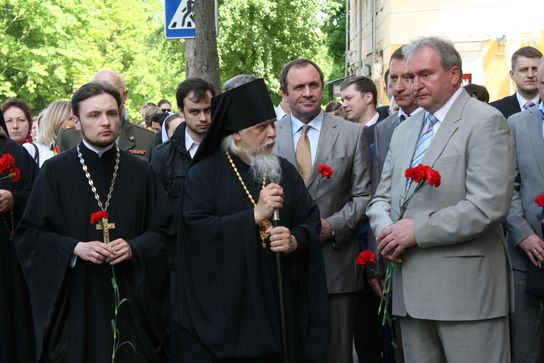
(117, 304)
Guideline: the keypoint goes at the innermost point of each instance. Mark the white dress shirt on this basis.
(522, 101)
(190, 145)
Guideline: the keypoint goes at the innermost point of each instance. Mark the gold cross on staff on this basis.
(106, 229)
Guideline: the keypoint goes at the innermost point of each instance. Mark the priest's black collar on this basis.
(97, 151)
(88, 149)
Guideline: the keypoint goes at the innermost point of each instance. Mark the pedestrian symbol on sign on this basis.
(183, 18)
(180, 22)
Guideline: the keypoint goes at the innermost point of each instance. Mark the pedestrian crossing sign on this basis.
(179, 21)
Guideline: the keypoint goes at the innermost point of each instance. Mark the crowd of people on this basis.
(212, 234)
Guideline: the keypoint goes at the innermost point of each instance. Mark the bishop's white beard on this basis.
(266, 166)
(262, 164)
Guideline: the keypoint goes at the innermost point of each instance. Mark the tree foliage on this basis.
(50, 48)
(335, 29)
(259, 36)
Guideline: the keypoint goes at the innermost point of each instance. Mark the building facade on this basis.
(485, 32)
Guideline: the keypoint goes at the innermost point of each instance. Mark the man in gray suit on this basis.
(402, 94)
(308, 138)
(525, 244)
(452, 285)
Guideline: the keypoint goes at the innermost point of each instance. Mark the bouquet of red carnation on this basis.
(422, 175)
(8, 168)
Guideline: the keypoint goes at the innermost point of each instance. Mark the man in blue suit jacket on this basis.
(523, 73)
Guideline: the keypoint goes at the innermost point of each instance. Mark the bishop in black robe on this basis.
(16, 336)
(229, 294)
(73, 304)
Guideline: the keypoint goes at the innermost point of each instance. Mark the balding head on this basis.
(114, 79)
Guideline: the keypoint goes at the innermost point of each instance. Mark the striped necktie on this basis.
(424, 139)
(528, 104)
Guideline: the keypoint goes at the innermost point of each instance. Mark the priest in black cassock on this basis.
(229, 307)
(65, 261)
(16, 336)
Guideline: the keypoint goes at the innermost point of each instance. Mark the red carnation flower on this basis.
(433, 177)
(99, 215)
(365, 258)
(540, 200)
(7, 162)
(15, 174)
(325, 170)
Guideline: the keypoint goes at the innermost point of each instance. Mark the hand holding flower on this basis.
(94, 251)
(122, 251)
(6, 200)
(533, 247)
(396, 239)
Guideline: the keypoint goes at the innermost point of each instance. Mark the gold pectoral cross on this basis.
(105, 227)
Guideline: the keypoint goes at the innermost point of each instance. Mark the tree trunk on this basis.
(201, 55)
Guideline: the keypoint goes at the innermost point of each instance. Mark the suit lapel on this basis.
(536, 137)
(284, 139)
(412, 131)
(514, 104)
(327, 138)
(446, 130)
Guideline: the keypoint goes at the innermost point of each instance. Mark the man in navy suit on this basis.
(359, 99)
(524, 74)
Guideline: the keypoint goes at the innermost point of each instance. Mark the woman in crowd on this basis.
(147, 113)
(56, 116)
(16, 335)
(171, 123)
(18, 118)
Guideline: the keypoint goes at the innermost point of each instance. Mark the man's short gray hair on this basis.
(448, 56)
(237, 81)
